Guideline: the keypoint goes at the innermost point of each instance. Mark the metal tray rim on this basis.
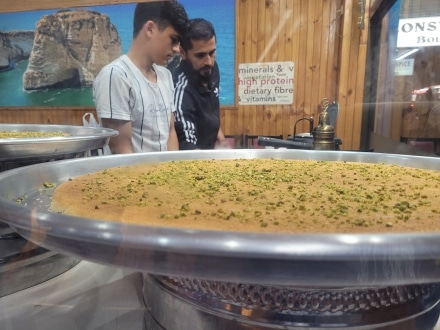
(90, 133)
(82, 139)
(403, 258)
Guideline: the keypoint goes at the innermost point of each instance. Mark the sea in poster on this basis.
(220, 13)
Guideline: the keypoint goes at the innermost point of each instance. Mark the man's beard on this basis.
(205, 75)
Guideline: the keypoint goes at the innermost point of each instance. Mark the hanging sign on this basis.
(404, 67)
(418, 32)
(265, 83)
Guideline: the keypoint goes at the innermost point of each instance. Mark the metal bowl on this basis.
(23, 264)
(81, 139)
(300, 260)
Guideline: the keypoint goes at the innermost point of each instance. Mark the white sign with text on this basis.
(404, 67)
(419, 32)
(265, 83)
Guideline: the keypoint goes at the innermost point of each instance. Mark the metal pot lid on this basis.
(322, 260)
(80, 139)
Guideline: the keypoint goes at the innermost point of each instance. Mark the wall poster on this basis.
(268, 83)
(51, 57)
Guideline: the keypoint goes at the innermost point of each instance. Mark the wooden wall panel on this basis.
(348, 74)
(292, 52)
(281, 45)
(260, 27)
(327, 39)
(299, 96)
(44, 115)
(323, 41)
(359, 86)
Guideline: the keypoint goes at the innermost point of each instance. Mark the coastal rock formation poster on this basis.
(51, 57)
(69, 50)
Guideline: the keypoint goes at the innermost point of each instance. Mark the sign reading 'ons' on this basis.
(419, 32)
(265, 83)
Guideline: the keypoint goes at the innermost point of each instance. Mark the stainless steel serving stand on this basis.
(204, 304)
(234, 280)
(22, 263)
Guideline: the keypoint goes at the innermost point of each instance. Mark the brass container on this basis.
(323, 139)
(324, 132)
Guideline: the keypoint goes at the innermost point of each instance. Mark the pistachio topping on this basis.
(268, 195)
(30, 134)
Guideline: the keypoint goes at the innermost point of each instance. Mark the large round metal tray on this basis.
(80, 139)
(325, 260)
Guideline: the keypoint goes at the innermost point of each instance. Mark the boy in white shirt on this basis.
(134, 93)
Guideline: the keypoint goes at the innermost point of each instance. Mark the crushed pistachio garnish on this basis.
(48, 184)
(30, 134)
(260, 195)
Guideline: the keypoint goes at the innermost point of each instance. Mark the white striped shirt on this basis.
(122, 92)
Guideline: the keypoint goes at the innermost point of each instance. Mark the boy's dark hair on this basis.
(163, 13)
(198, 29)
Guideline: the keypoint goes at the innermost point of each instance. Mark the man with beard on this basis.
(196, 94)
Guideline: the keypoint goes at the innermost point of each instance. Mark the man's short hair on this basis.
(198, 29)
(163, 13)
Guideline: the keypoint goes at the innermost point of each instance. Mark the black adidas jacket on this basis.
(197, 116)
